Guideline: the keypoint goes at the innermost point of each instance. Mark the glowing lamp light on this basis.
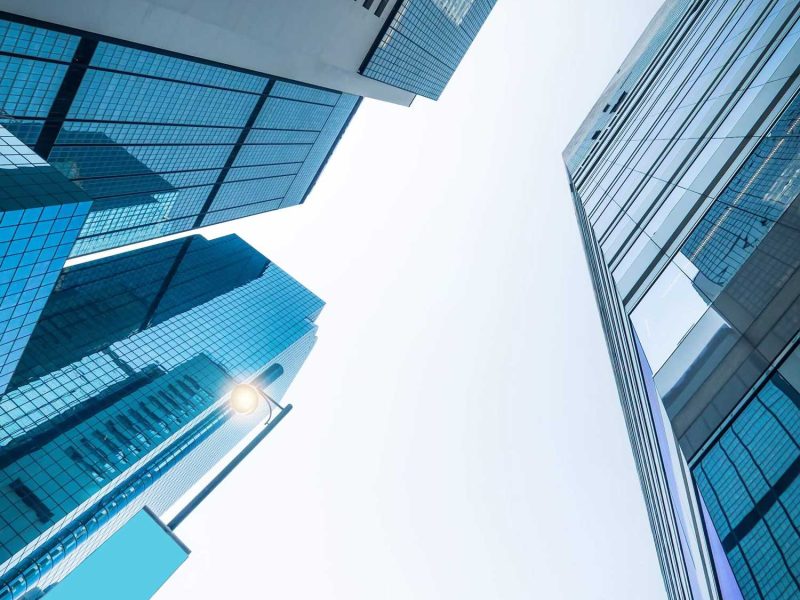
(244, 399)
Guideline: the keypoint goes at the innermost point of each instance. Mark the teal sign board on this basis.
(131, 565)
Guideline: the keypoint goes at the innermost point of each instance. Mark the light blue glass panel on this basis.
(97, 161)
(112, 96)
(326, 142)
(247, 192)
(425, 43)
(133, 60)
(279, 113)
(749, 480)
(264, 154)
(41, 213)
(28, 87)
(123, 133)
(261, 172)
(750, 205)
(306, 93)
(281, 136)
(38, 42)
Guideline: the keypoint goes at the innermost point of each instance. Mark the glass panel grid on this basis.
(149, 342)
(425, 42)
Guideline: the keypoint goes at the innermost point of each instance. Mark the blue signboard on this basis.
(131, 565)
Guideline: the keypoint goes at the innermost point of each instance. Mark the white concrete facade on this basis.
(320, 42)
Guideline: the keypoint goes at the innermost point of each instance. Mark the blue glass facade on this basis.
(749, 478)
(162, 144)
(41, 213)
(684, 178)
(93, 306)
(749, 206)
(424, 42)
(134, 412)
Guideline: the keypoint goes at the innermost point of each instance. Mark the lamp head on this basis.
(244, 399)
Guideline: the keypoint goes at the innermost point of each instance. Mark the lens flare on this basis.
(244, 399)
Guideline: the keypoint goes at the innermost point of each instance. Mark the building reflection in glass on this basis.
(124, 378)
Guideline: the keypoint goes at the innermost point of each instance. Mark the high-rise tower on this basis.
(685, 178)
(175, 117)
(120, 399)
(135, 119)
(170, 118)
(161, 143)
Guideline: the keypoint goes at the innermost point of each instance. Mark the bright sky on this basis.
(456, 431)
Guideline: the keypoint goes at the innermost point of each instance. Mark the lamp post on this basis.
(244, 400)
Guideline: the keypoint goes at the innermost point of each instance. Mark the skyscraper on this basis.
(144, 118)
(423, 43)
(134, 411)
(685, 177)
(160, 143)
(41, 213)
(175, 117)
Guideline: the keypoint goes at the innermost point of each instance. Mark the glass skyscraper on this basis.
(423, 43)
(162, 144)
(685, 178)
(120, 399)
(41, 213)
(158, 142)
(124, 122)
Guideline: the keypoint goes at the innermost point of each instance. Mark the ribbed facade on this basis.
(685, 180)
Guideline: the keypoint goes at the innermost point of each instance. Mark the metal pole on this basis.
(203, 494)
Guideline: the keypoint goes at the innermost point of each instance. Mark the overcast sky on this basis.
(456, 431)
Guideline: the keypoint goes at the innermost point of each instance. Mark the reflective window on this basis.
(753, 201)
(154, 139)
(124, 376)
(749, 481)
(41, 213)
(425, 42)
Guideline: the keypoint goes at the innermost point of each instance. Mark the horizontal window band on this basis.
(152, 173)
(28, 119)
(179, 145)
(187, 217)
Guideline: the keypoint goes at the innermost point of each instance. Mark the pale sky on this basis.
(456, 431)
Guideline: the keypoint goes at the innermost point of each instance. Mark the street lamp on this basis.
(245, 398)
